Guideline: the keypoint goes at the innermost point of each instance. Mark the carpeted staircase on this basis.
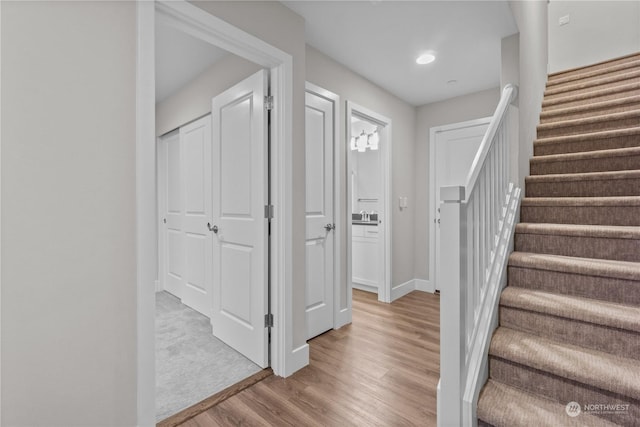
(570, 315)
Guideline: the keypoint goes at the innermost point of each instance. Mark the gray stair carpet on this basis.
(191, 364)
(567, 348)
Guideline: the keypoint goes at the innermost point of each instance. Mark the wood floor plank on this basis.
(382, 370)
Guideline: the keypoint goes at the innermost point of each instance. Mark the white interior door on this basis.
(240, 193)
(319, 142)
(171, 214)
(455, 150)
(195, 153)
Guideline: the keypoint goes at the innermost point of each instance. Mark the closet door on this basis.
(195, 153)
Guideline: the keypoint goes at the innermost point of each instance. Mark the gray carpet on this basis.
(191, 364)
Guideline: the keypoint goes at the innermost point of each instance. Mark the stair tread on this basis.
(590, 106)
(582, 201)
(611, 133)
(596, 154)
(592, 94)
(626, 58)
(583, 85)
(605, 231)
(600, 118)
(572, 307)
(625, 270)
(590, 367)
(504, 406)
(593, 73)
(584, 176)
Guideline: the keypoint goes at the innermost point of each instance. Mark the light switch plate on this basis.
(564, 20)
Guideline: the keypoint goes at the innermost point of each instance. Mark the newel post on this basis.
(452, 336)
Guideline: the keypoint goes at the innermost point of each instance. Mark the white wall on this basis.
(280, 27)
(328, 74)
(597, 31)
(193, 100)
(454, 110)
(531, 18)
(68, 214)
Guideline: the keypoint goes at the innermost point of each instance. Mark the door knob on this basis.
(214, 228)
(330, 227)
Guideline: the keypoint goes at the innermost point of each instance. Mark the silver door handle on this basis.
(214, 228)
(330, 227)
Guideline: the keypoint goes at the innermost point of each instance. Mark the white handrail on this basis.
(509, 93)
(477, 223)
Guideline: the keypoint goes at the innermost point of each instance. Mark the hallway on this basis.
(382, 369)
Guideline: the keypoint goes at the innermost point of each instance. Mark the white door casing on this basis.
(240, 242)
(452, 150)
(320, 224)
(195, 154)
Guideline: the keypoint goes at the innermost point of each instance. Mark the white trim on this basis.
(202, 25)
(299, 359)
(158, 286)
(384, 290)
(338, 312)
(432, 187)
(403, 289)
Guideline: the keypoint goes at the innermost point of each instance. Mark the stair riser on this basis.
(602, 66)
(561, 390)
(610, 340)
(590, 76)
(580, 145)
(549, 105)
(596, 287)
(552, 94)
(590, 188)
(592, 112)
(604, 164)
(552, 85)
(578, 246)
(586, 215)
(588, 127)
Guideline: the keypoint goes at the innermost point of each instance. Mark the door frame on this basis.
(341, 315)
(202, 25)
(384, 291)
(433, 203)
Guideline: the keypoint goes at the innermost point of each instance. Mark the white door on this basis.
(455, 150)
(195, 152)
(184, 159)
(171, 213)
(319, 141)
(240, 193)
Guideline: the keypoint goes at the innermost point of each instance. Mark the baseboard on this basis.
(402, 289)
(365, 287)
(298, 360)
(158, 286)
(425, 285)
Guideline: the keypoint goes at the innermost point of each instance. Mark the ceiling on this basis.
(180, 58)
(380, 40)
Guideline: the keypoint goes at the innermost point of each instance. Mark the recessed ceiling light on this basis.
(425, 58)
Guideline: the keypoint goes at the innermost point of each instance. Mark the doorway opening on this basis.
(202, 25)
(368, 202)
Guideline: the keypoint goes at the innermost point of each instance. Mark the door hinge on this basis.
(268, 320)
(268, 211)
(268, 102)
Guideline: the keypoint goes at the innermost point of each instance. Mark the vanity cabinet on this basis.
(365, 257)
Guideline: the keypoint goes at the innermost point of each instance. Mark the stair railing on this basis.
(476, 237)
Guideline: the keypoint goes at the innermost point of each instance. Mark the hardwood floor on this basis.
(382, 370)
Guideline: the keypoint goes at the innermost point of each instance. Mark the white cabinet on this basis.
(364, 257)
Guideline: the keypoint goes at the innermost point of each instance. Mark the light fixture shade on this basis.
(374, 140)
(352, 144)
(362, 142)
